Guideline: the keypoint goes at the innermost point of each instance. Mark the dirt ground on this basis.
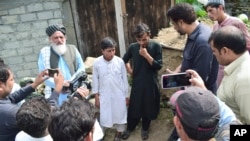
(160, 128)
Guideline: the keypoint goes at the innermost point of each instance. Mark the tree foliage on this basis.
(198, 7)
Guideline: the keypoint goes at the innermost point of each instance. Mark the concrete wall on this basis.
(22, 31)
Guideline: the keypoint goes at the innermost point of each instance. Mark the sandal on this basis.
(117, 136)
(125, 135)
(144, 134)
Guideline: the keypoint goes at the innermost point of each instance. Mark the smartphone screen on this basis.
(52, 72)
(175, 80)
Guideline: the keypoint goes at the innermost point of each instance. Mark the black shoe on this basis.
(125, 135)
(144, 134)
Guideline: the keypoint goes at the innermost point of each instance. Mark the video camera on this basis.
(80, 80)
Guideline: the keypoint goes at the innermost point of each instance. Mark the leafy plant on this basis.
(198, 7)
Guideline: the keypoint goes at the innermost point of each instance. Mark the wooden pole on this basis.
(119, 22)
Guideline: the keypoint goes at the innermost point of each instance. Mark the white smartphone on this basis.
(176, 80)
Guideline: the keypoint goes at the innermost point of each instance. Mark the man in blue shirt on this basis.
(197, 53)
(59, 55)
(8, 102)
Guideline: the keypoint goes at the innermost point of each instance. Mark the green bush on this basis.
(198, 7)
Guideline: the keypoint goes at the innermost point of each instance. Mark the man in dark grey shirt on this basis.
(8, 102)
(197, 54)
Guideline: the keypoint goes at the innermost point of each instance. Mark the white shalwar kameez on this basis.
(110, 81)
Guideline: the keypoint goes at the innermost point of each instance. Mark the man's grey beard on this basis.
(59, 49)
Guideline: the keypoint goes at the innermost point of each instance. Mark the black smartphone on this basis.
(175, 80)
(52, 72)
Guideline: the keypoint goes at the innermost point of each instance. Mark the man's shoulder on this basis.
(21, 135)
(205, 29)
(45, 48)
(98, 60)
(202, 35)
(133, 44)
(24, 136)
(205, 26)
(72, 48)
(154, 44)
(118, 58)
(233, 19)
(70, 45)
(8, 109)
(153, 41)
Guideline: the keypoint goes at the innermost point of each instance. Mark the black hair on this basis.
(73, 121)
(1, 61)
(108, 42)
(140, 29)
(33, 116)
(182, 11)
(230, 37)
(213, 5)
(4, 73)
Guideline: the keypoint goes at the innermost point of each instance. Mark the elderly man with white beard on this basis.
(60, 55)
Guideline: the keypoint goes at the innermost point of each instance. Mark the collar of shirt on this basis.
(195, 33)
(235, 64)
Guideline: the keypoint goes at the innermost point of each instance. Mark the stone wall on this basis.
(172, 49)
(171, 59)
(22, 32)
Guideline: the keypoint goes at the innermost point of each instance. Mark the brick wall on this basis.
(22, 32)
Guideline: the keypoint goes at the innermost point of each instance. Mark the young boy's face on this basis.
(108, 53)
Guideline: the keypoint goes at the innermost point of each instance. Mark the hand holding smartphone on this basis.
(176, 80)
(52, 72)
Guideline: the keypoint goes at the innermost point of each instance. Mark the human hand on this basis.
(129, 68)
(40, 78)
(177, 70)
(97, 101)
(66, 83)
(170, 71)
(84, 92)
(196, 80)
(127, 101)
(59, 81)
(143, 51)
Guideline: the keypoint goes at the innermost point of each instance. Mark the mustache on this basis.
(57, 43)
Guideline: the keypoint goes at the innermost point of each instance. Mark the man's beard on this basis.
(181, 32)
(59, 49)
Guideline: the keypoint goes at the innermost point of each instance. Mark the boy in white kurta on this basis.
(110, 86)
